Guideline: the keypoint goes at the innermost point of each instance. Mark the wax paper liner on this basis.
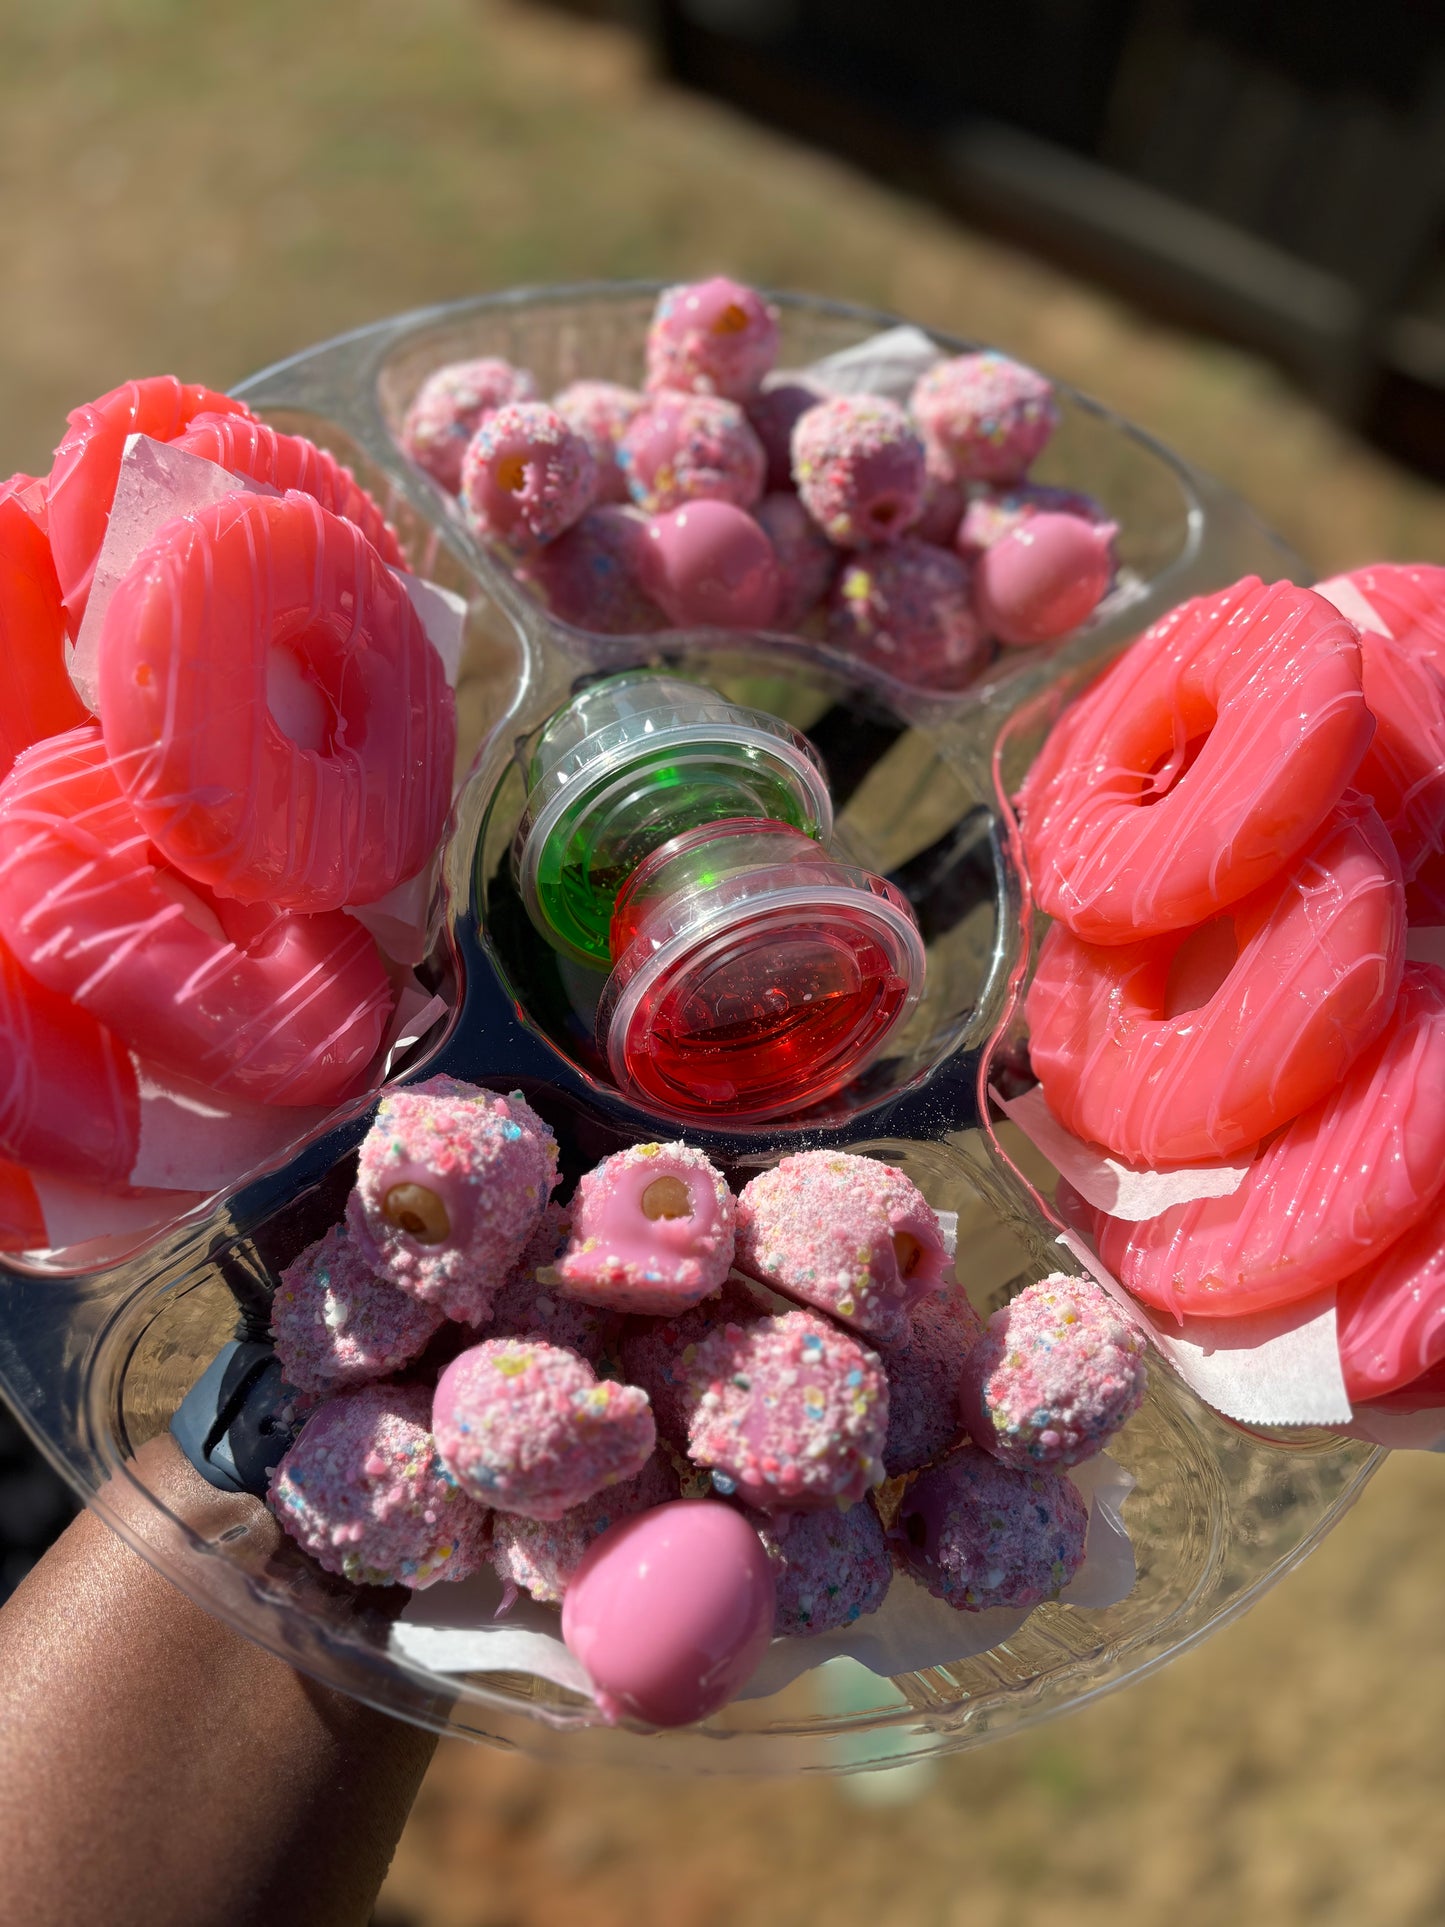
(454, 1628)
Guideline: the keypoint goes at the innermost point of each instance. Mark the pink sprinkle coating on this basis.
(1056, 1374)
(591, 576)
(541, 1555)
(659, 1353)
(987, 416)
(774, 412)
(979, 1534)
(807, 560)
(908, 609)
(850, 1235)
(599, 412)
(529, 1427)
(681, 448)
(336, 1324)
(488, 1163)
(526, 476)
(992, 513)
(448, 410)
(829, 1568)
(859, 468)
(924, 1416)
(652, 1231)
(527, 1308)
(788, 1411)
(714, 337)
(363, 1491)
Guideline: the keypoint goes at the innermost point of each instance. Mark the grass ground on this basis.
(206, 188)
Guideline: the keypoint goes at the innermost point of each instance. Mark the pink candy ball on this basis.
(526, 476)
(925, 1416)
(591, 576)
(713, 337)
(807, 560)
(709, 564)
(671, 1612)
(1043, 578)
(774, 413)
(859, 469)
(683, 448)
(829, 1568)
(979, 1534)
(652, 1231)
(448, 410)
(336, 1324)
(992, 513)
(600, 411)
(541, 1555)
(986, 416)
(908, 609)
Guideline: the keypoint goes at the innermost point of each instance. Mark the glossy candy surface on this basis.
(711, 564)
(37, 697)
(1043, 578)
(652, 1231)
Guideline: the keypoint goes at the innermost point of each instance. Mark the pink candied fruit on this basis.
(525, 1307)
(986, 416)
(526, 476)
(652, 1231)
(599, 411)
(686, 448)
(659, 1353)
(449, 408)
(859, 468)
(1043, 578)
(908, 609)
(978, 1534)
(807, 560)
(709, 564)
(829, 1568)
(336, 1324)
(591, 575)
(541, 1555)
(714, 337)
(992, 513)
(925, 1417)
(774, 413)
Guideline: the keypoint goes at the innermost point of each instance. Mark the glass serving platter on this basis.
(96, 1360)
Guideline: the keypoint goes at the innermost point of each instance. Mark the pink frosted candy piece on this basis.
(1043, 578)
(599, 411)
(449, 408)
(859, 469)
(774, 413)
(363, 1491)
(1056, 1374)
(714, 337)
(1402, 600)
(527, 1308)
(652, 1231)
(336, 1324)
(687, 448)
(659, 1353)
(829, 1568)
(787, 1412)
(945, 501)
(850, 1235)
(924, 1418)
(541, 1555)
(908, 609)
(807, 560)
(671, 1611)
(528, 1427)
(709, 564)
(979, 1534)
(987, 416)
(451, 1183)
(591, 576)
(526, 476)
(991, 513)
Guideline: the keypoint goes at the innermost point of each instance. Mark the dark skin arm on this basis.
(157, 1770)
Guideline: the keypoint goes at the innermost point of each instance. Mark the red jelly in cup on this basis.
(753, 974)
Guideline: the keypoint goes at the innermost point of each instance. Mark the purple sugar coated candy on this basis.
(849, 1235)
(859, 468)
(924, 1415)
(994, 512)
(979, 1534)
(686, 448)
(541, 1555)
(659, 1353)
(714, 337)
(527, 1308)
(986, 416)
(908, 609)
(652, 1231)
(451, 1182)
(788, 1411)
(829, 1568)
(774, 413)
(709, 564)
(336, 1324)
(526, 476)
(1055, 1375)
(599, 412)
(363, 1491)
(528, 1427)
(591, 576)
(448, 410)
(807, 560)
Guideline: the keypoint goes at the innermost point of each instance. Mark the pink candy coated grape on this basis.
(526, 476)
(1043, 578)
(671, 1611)
(710, 564)
(716, 337)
